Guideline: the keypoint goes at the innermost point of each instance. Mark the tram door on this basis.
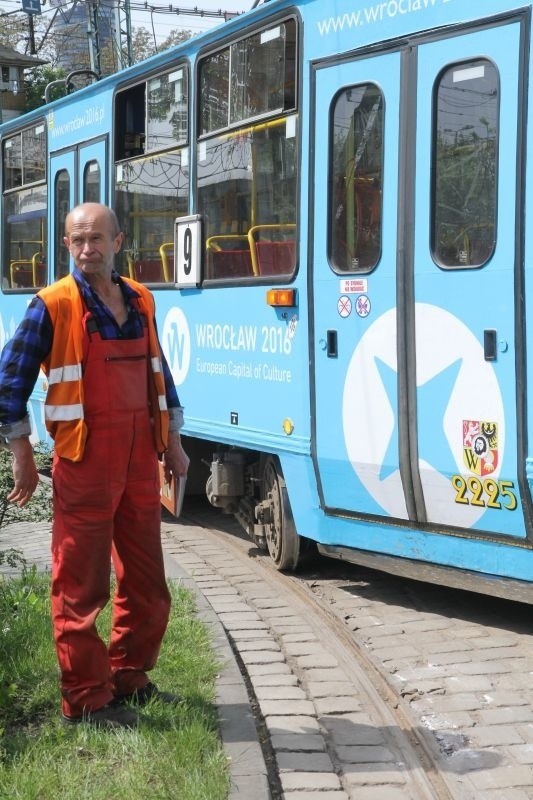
(414, 271)
(76, 175)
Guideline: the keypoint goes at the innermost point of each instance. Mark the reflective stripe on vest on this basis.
(70, 372)
(63, 413)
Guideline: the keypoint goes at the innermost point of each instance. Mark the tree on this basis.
(143, 45)
(175, 37)
(37, 80)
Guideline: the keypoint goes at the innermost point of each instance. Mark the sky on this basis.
(165, 22)
(158, 22)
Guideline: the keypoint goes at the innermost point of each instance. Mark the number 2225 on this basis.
(472, 491)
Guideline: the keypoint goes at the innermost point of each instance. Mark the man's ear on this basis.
(119, 241)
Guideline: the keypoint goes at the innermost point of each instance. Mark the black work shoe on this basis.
(112, 715)
(140, 697)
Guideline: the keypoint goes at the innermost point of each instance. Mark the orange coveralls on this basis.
(107, 507)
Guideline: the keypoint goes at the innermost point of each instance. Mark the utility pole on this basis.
(31, 7)
(122, 27)
(93, 37)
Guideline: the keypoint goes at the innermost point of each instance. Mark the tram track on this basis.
(403, 758)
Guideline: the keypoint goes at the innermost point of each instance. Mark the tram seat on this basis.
(22, 274)
(231, 264)
(147, 271)
(275, 258)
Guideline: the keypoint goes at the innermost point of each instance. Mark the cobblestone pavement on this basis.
(461, 667)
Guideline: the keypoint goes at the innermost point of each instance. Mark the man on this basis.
(112, 409)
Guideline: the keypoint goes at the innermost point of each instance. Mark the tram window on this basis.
(247, 156)
(62, 207)
(149, 194)
(465, 152)
(24, 209)
(252, 77)
(166, 124)
(356, 179)
(91, 182)
(25, 239)
(247, 198)
(19, 170)
(152, 115)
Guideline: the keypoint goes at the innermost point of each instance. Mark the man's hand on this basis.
(25, 473)
(175, 459)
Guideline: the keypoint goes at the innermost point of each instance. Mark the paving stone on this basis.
(263, 657)
(278, 679)
(242, 616)
(304, 648)
(328, 688)
(353, 729)
(318, 781)
(302, 636)
(501, 716)
(270, 708)
(456, 702)
(337, 704)
(317, 661)
(252, 645)
(304, 762)
(279, 693)
(468, 683)
(329, 674)
(364, 754)
(523, 753)
(492, 667)
(492, 735)
(276, 668)
(292, 724)
(374, 775)
(503, 777)
(298, 742)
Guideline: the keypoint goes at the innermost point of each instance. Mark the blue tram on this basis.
(329, 202)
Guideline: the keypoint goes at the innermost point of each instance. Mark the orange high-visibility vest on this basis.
(63, 411)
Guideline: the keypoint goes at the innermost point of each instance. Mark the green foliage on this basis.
(37, 80)
(176, 751)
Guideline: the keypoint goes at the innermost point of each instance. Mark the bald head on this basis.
(89, 212)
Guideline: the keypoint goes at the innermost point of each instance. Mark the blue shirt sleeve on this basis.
(20, 363)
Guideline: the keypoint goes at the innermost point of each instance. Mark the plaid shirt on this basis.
(23, 355)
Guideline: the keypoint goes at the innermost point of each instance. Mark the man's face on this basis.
(92, 241)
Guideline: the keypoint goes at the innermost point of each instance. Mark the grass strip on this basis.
(175, 753)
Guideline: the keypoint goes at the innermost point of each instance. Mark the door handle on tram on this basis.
(489, 344)
(331, 344)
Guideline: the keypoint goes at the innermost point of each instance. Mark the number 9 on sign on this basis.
(187, 255)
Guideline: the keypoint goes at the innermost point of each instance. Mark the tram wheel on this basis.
(282, 539)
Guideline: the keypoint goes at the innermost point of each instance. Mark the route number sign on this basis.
(187, 250)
